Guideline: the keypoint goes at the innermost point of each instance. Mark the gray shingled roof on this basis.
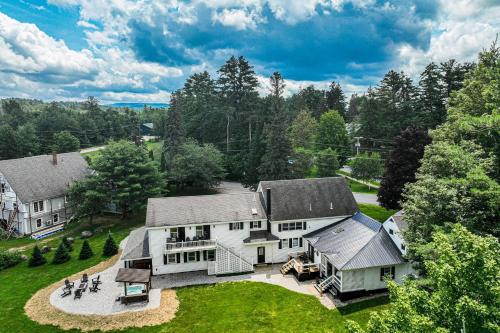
(399, 219)
(203, 209)
(37, 178)
(137, 246)
(356, 242)
(309, 198)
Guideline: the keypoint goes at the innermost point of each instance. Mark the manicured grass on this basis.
(19, 283)
(156, 147)
(259, 307)
(360, 188)
(376, 212)
(345, 173)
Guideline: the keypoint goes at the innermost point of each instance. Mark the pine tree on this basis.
(110, 247)
(327, 162)
(401, 166)
(37, 259)
(174, 135)
(68, 244)
(431, 96)
(335, 99)
(274, 163)
(62, 255)
(86, 251)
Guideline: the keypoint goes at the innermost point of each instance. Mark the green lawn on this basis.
(237, 307)
(345, 173)
(156, 147)
(376, 212)
(360, 188)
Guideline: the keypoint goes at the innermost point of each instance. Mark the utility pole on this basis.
(357, 144)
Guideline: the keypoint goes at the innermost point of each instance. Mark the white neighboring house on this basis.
(33, 192)
(395, 227)
(285, 221)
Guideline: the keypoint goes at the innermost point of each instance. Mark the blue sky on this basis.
(123, 50)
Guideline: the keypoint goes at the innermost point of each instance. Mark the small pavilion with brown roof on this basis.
(136, 284)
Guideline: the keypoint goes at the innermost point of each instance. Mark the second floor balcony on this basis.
(194, 245)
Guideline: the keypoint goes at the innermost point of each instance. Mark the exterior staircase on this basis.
(228, 262)
(287, 267)
(10, 223)
(324, 284)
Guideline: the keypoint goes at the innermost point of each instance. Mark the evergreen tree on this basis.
(401, 166)
(302, 163)
(89, 197)
(332, 133)
(312, 100)
(37, 259)
(86, 251)
(126, 175)
(335, 99)
(110, 247)
(27, 140)
(68, 244)
(431, 96)
(62, 255)
(257, 149)
(353, 110)
(275, 161)
(8, 143)
(327, 162)
(174, 134)
(65, 142)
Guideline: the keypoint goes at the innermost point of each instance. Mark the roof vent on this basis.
(337, 231)
(331, 205)
(310, 207)
(254, 211)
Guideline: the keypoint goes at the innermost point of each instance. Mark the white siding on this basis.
(369, 278)
(396, 237)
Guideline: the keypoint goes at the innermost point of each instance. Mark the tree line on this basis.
(28, 129)
(309, 133)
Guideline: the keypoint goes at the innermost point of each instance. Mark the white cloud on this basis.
(27, 50)
(462, 30)
(237, 18)
(86, 24)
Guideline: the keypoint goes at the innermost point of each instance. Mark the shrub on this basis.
(68, 244)
(61, 255)
(110, 247)
(37, 259)
(86, 251)
(9, 259)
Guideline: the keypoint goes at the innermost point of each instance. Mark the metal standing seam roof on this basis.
(399, 219)
(133, 275)
(137, 246)
(37, 178)
(204, 209)
(356, 242)
(309, 198)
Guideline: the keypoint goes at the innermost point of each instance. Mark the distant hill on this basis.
(138, 105)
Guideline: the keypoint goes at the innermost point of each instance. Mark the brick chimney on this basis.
(54, 158)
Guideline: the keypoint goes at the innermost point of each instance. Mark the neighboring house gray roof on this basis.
(399, 219)
(37, 178)
(204, 209)
(137, 246)
(309, 198)
(148, 125)
(356, 242)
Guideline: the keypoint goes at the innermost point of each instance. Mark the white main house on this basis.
(312, 226)
(33, 192)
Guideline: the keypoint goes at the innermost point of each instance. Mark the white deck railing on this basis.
(183, 246)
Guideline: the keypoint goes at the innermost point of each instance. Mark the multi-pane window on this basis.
(387, 272)
(255, 224)
(199, 231)
(290, 226)
(55, 218)
(38, 223)
(211, 255)
(38, 206)
(236, 226)
(191, 256)
(173, 233)
(290, 243)
(171, 258)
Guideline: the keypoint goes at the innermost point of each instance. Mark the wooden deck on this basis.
(303, 269)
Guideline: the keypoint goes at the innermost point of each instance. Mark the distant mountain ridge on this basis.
(138, 105)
